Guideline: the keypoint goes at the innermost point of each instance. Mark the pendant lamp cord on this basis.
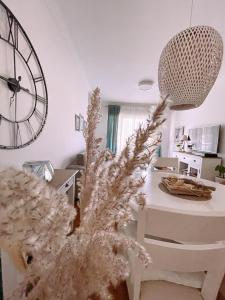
(191, 12)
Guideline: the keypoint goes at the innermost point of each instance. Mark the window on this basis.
(130, 118)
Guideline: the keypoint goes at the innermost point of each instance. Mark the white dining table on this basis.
(159, 199)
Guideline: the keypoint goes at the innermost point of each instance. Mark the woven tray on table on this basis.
(187, 187)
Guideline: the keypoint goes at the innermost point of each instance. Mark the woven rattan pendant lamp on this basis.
(189, 65)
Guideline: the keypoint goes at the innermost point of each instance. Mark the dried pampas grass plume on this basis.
(34, 218)
(87, 182)
(75, 265)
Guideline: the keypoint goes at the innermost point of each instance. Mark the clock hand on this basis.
(14, 61)
(27, 91)
(12, 98)
(15, 84)
(41, 99)
(11, 80)
(14, 92)
(21, 87)
(6, 79)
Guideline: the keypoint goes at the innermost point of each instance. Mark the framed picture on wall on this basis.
(77, 123)
(81, 122)
(179, 132)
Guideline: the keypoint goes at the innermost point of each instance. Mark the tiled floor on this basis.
(120, 293)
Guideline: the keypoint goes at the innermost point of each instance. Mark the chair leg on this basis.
(137, 290)
(212, 284)
(137, 280)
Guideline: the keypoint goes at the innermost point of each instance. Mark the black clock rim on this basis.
(24, 120)
(46, 91)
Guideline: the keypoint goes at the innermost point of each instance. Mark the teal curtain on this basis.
(112, 128)
(158, 151)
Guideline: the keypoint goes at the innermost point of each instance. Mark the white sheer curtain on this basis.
(130, 117)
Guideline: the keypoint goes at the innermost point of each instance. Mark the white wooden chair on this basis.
(179, 257)
(166, 164)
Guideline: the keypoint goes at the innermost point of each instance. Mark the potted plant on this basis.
(221, 170)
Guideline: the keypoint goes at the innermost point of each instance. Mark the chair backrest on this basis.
(154, 226)
(179, 226)
(189, 258)
(186, 258)
(166, 162)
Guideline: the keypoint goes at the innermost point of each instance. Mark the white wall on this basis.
(166, 127)
(66, 83)
(211, 112)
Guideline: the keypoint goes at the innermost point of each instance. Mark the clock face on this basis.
(23, 91)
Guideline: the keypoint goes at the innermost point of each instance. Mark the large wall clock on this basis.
(23, 91)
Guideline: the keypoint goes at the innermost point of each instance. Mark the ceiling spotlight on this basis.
(145, 85)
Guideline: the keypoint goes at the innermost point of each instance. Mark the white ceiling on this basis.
(119, 42)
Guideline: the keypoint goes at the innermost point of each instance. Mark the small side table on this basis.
(64, 182)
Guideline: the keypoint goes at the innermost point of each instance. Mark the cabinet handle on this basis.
(194, 160)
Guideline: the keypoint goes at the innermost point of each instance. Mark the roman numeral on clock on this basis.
(38, 79)
(29, 56)
(30, 129)
(38, 115)
(41, 99)
(13, 31)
